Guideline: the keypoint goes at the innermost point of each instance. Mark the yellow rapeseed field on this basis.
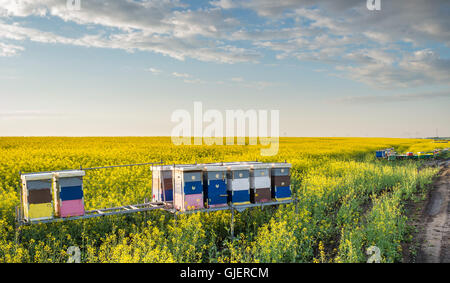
(348, 202)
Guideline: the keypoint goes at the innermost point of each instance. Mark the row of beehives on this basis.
(56, 194)
(390, 154)
(219, 184)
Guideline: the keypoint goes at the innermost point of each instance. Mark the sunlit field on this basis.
(348, 201)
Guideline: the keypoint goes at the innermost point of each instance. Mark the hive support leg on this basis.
(145, 212)
(83, 235)
(232, 223)
(248, 211)
(17, 234)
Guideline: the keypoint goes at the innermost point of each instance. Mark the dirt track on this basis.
(434, 223)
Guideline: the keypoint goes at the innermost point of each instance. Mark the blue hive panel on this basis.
(380, 153)
(216, 192)
(237, 197)
(192, 188)
(216, 187)
(71, 193)
(169, 196)
(217, 199)
(281, 192)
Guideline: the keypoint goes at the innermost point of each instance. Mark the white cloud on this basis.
(383, 70)
(177, 48)
(28, 114)
(205, 22)
(270, 34)
(181, 75)
(154, 71)
(270, 8)
(224, 4)
(7, 50)
(23, 8)
(259, 85)
(148, 15)
(194, 81)
(406, 97)
(378, 49)
(155, 26)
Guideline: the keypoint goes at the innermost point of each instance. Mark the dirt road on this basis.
(434, 224)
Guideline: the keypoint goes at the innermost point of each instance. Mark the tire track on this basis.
(435, 246)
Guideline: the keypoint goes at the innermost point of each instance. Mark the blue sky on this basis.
(332, 68)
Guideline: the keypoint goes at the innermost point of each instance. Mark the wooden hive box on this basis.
(260, 183)
(188, 187)
(37, 200)
(281, 181)
(69, 193)
(238, 184)
(162, 183)
(215, 185)
(380, 153)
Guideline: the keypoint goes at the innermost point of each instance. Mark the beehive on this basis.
(162, 183)
(424, 155)
(215, 185)
(380, 153)
(281, 181)
(68, 193)
(238, 183)
(260, 185)
(392, 157)
(188, 187)
(37, 196)
(401, 156)
(388, 151)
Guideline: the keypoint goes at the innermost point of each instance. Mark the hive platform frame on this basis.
(145, 206)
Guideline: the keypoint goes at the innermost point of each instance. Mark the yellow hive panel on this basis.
(40, 210)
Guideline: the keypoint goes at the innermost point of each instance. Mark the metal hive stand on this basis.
(126, 209)
(149, 206)
(239, 208)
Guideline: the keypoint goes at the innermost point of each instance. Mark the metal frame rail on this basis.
(94, 168)
(126, 209)
(239, 208)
